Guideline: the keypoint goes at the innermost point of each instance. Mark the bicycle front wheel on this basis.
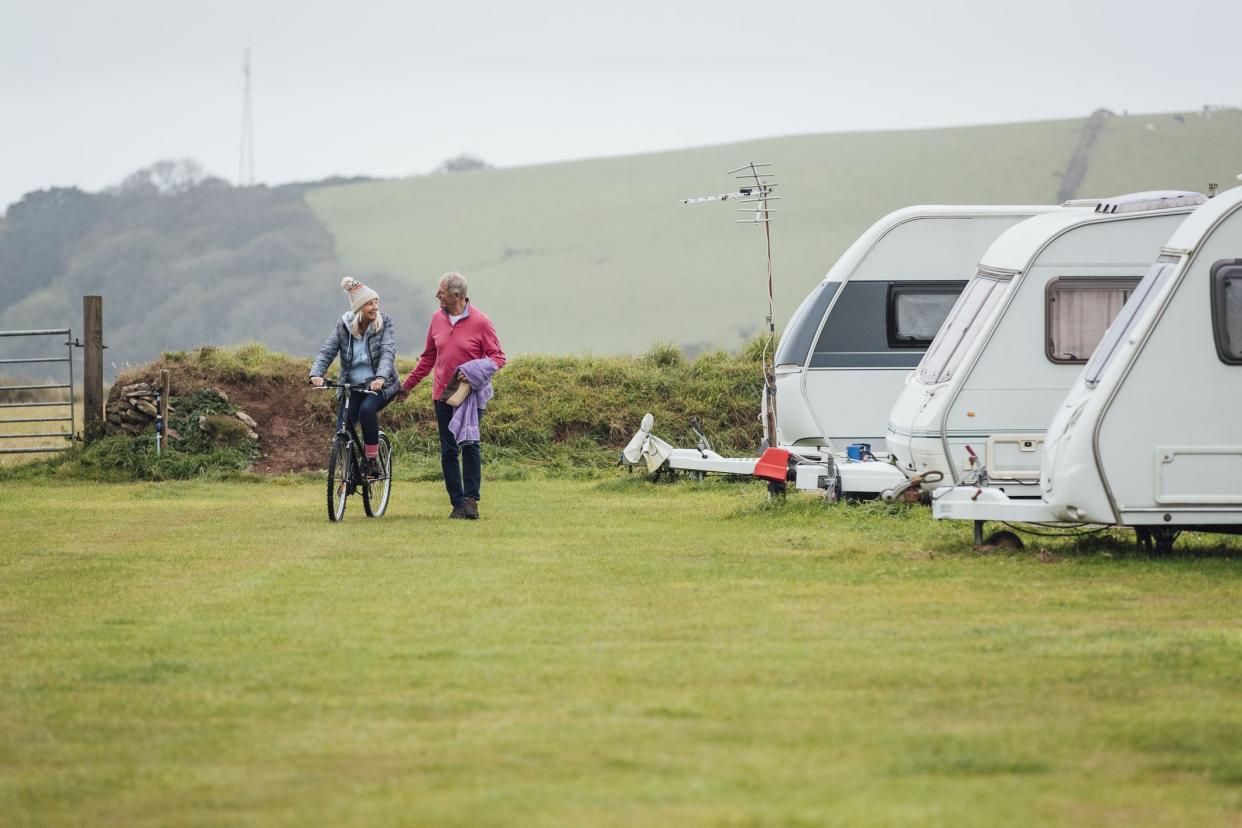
(340, 471)
(375, 492)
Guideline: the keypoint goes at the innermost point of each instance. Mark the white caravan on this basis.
(847, 347)
(1149, 436)
(845, 350)
(1019, 334)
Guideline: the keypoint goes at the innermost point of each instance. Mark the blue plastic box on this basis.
(857, 451)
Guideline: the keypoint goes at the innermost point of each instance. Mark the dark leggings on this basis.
(365, 409)
(464, 481)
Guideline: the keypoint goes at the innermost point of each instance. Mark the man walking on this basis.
(461, 345)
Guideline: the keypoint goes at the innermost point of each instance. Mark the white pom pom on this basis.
(348, 283)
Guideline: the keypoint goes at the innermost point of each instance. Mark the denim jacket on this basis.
(382, 349)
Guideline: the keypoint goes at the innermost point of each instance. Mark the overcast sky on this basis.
(93, 91)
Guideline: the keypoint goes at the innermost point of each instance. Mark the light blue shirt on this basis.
(360, 369)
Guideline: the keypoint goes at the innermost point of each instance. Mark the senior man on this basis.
(462, 346)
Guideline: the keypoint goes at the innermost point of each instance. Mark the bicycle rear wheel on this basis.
(340, 470)
(375, 493)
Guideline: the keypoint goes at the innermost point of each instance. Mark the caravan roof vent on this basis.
(1150, 200)
(1082, 202)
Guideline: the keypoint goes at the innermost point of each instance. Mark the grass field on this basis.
(601, 255)
(600, 652)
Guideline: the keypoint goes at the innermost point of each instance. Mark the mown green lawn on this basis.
(598, 653)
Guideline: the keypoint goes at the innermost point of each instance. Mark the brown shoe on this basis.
(471, 508)
(459, 513)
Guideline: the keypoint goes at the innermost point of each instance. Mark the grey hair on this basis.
(455, 282)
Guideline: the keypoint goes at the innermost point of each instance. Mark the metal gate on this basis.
(8, 401)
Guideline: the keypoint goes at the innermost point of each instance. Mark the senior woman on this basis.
(363, 339)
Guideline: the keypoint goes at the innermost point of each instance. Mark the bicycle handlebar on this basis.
(363, 387)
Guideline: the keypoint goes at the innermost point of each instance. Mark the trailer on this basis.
(1018, 335)
(1148, 436)
(847, 347)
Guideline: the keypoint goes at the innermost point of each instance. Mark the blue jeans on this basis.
(365, 409)
(462, 482)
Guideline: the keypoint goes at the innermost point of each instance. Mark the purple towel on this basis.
(465, 423)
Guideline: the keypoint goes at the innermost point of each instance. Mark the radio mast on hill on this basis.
(245, 162)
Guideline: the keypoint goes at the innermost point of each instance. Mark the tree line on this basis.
(182, 259)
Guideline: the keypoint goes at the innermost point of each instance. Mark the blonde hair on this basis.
(358, 331)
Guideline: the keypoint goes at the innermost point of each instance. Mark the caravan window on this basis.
(1078, 312)
(964, 325)
(856, 335)
(1227, 309)
(1121, 327)
(915, 311)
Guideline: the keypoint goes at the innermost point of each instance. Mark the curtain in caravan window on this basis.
(1079, 313)
(919, 315)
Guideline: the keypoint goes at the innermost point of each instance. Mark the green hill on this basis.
(587, 256)
(601, 255)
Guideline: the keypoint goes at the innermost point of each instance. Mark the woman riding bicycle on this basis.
(363, 340)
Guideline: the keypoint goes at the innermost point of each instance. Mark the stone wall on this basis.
(133, 408)
(130, 409)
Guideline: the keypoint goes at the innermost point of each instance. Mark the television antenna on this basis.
(245, 161)
(757, 191)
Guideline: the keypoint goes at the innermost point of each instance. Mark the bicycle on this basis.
(345, 464)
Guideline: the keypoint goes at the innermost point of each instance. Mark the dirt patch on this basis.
(293, 434)
(291, 437)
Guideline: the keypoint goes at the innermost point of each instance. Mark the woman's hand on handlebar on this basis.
(377, 384)
(317, 382)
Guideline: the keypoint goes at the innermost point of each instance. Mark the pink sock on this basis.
(372, 451)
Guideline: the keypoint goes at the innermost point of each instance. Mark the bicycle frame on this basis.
(348, 477)
(344, 427)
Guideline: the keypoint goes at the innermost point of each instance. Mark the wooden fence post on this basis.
(92, 368)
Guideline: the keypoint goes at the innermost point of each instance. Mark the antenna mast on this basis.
(245, 161)
(758, 192)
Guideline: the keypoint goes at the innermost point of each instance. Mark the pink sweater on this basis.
(449, 346)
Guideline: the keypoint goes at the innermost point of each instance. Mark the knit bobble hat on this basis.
(358, 293)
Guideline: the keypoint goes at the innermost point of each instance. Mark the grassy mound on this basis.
(574, 414)
(564, 415)
(222, 449)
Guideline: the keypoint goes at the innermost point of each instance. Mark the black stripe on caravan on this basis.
(866, 359)
(800, 332)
